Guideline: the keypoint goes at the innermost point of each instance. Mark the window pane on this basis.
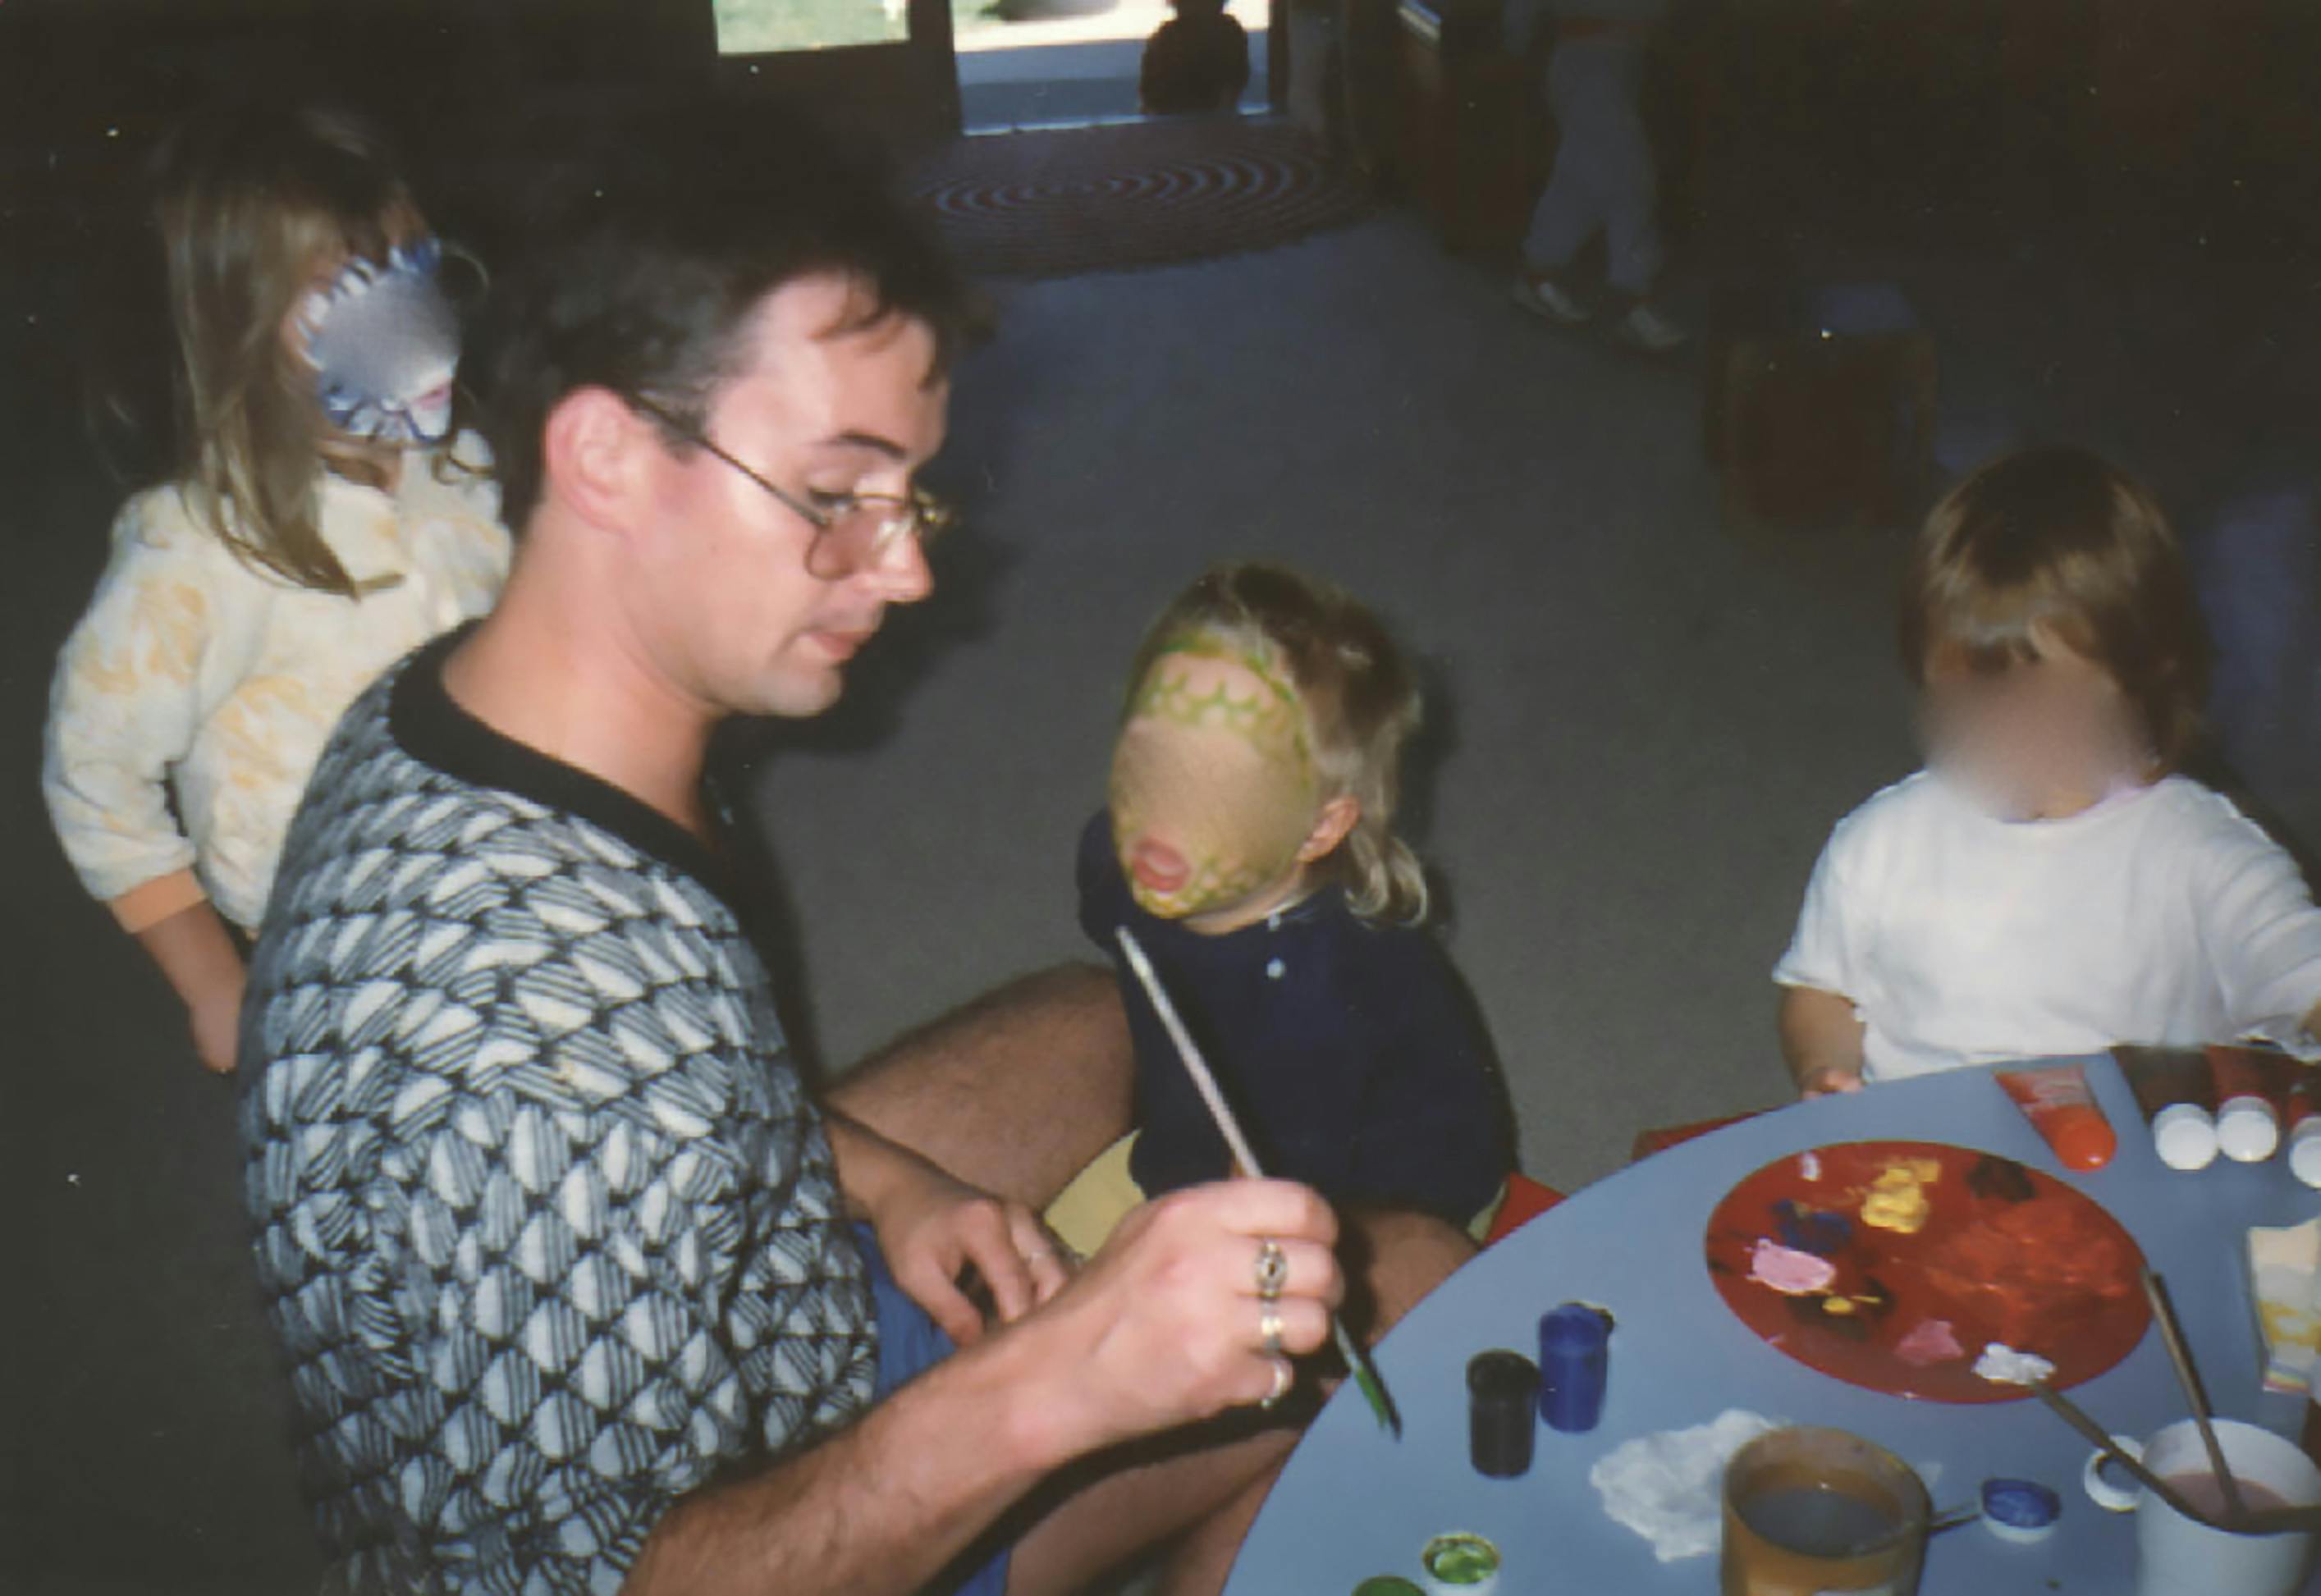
(751, 27)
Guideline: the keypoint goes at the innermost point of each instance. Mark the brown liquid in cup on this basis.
(1802, 1524)
(2204, 1492)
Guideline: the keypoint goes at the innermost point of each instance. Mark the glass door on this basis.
(884, 65)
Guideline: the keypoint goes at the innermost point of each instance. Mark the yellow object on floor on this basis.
(1085, 1212)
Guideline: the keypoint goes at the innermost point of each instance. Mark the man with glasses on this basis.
(578, 1287)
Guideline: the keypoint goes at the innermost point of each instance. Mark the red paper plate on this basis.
(1999, 1254)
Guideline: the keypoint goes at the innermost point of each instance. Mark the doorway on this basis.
(1027, 64)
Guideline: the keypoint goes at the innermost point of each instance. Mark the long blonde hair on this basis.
(1361, 702)
(250, 200)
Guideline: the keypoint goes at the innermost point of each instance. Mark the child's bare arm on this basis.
(1821, 1037)
(198, 956)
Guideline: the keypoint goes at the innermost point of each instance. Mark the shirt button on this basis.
(1274, 969)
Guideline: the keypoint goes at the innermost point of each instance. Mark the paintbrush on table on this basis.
(2069, 1411)
(1365, 1375)
(2187, 1374)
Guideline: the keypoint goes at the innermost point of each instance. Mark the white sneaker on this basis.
(1543, 296)
(1647, 329)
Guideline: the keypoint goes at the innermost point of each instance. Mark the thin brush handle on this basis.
(2072, 1415)
(1951, 1518)
(1195, 1065)
(1366, 1374)
(2171, 1334)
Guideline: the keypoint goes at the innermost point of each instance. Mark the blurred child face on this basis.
(2040, 739)
(377, 342)
(1212, 786)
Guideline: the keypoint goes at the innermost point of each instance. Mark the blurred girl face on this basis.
(373, 342)
(2036, 739)
(1213, 783)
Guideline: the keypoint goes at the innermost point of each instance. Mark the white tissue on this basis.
(1667, 1487)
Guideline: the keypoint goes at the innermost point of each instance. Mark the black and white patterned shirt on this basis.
(547, 1222)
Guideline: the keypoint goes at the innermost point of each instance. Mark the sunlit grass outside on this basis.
(978, 26)
(754, 27)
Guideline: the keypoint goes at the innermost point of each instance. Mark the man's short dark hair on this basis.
(644, 262)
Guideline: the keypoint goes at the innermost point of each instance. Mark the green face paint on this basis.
(1212, 786)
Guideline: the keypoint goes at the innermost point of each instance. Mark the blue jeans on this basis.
(1605, 179)
(910, 1343)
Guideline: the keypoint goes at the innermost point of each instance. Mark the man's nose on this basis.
(901, 574)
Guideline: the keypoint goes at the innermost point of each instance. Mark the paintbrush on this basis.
(1365, 1375)
(2072, 1415)
(2171, 1334)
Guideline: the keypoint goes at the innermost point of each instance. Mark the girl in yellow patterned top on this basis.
(326, 519)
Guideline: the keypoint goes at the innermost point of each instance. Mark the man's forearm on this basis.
(1159, 1330)
(867, 1162)
(880, 1507)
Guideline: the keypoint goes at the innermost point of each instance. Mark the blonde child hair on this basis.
(2056, 542)
(1361, 698)
(250, 204)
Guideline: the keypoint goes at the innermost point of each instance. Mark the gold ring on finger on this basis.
(1269, 1331)
(1272, 1268)
(1282, 1379)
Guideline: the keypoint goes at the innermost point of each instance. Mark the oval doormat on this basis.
(1055, 203)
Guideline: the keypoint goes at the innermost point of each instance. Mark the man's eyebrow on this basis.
(870, 441)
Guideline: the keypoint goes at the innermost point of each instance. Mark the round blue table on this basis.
(1354, 1501)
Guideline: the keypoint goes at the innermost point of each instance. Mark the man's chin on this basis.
(799, 697)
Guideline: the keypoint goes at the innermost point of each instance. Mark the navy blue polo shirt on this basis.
(1352, 1054)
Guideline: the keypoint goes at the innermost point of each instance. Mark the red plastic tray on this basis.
(2005, 1254)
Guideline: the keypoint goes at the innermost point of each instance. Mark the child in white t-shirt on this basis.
(2047, 884)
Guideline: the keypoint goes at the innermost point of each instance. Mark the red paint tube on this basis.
(2249, 1084)
(2055, 1099)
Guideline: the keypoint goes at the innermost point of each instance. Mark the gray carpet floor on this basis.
(1645, 721)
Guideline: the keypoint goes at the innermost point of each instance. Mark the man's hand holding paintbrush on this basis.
(1184, 1313)
(1244, 1159)
(1195, 1304)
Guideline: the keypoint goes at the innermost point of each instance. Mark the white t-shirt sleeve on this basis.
(1826, 951)
(2263, 934)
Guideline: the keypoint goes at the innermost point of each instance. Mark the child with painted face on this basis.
(2050, 883)
(324, 519)
(1249, 845)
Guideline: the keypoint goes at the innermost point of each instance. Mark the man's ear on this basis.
(1339, 816)
(593, 459)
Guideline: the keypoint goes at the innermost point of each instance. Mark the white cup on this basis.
(2180, 1556)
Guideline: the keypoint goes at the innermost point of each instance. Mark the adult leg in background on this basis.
(1626, 179)
(1574, 204)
